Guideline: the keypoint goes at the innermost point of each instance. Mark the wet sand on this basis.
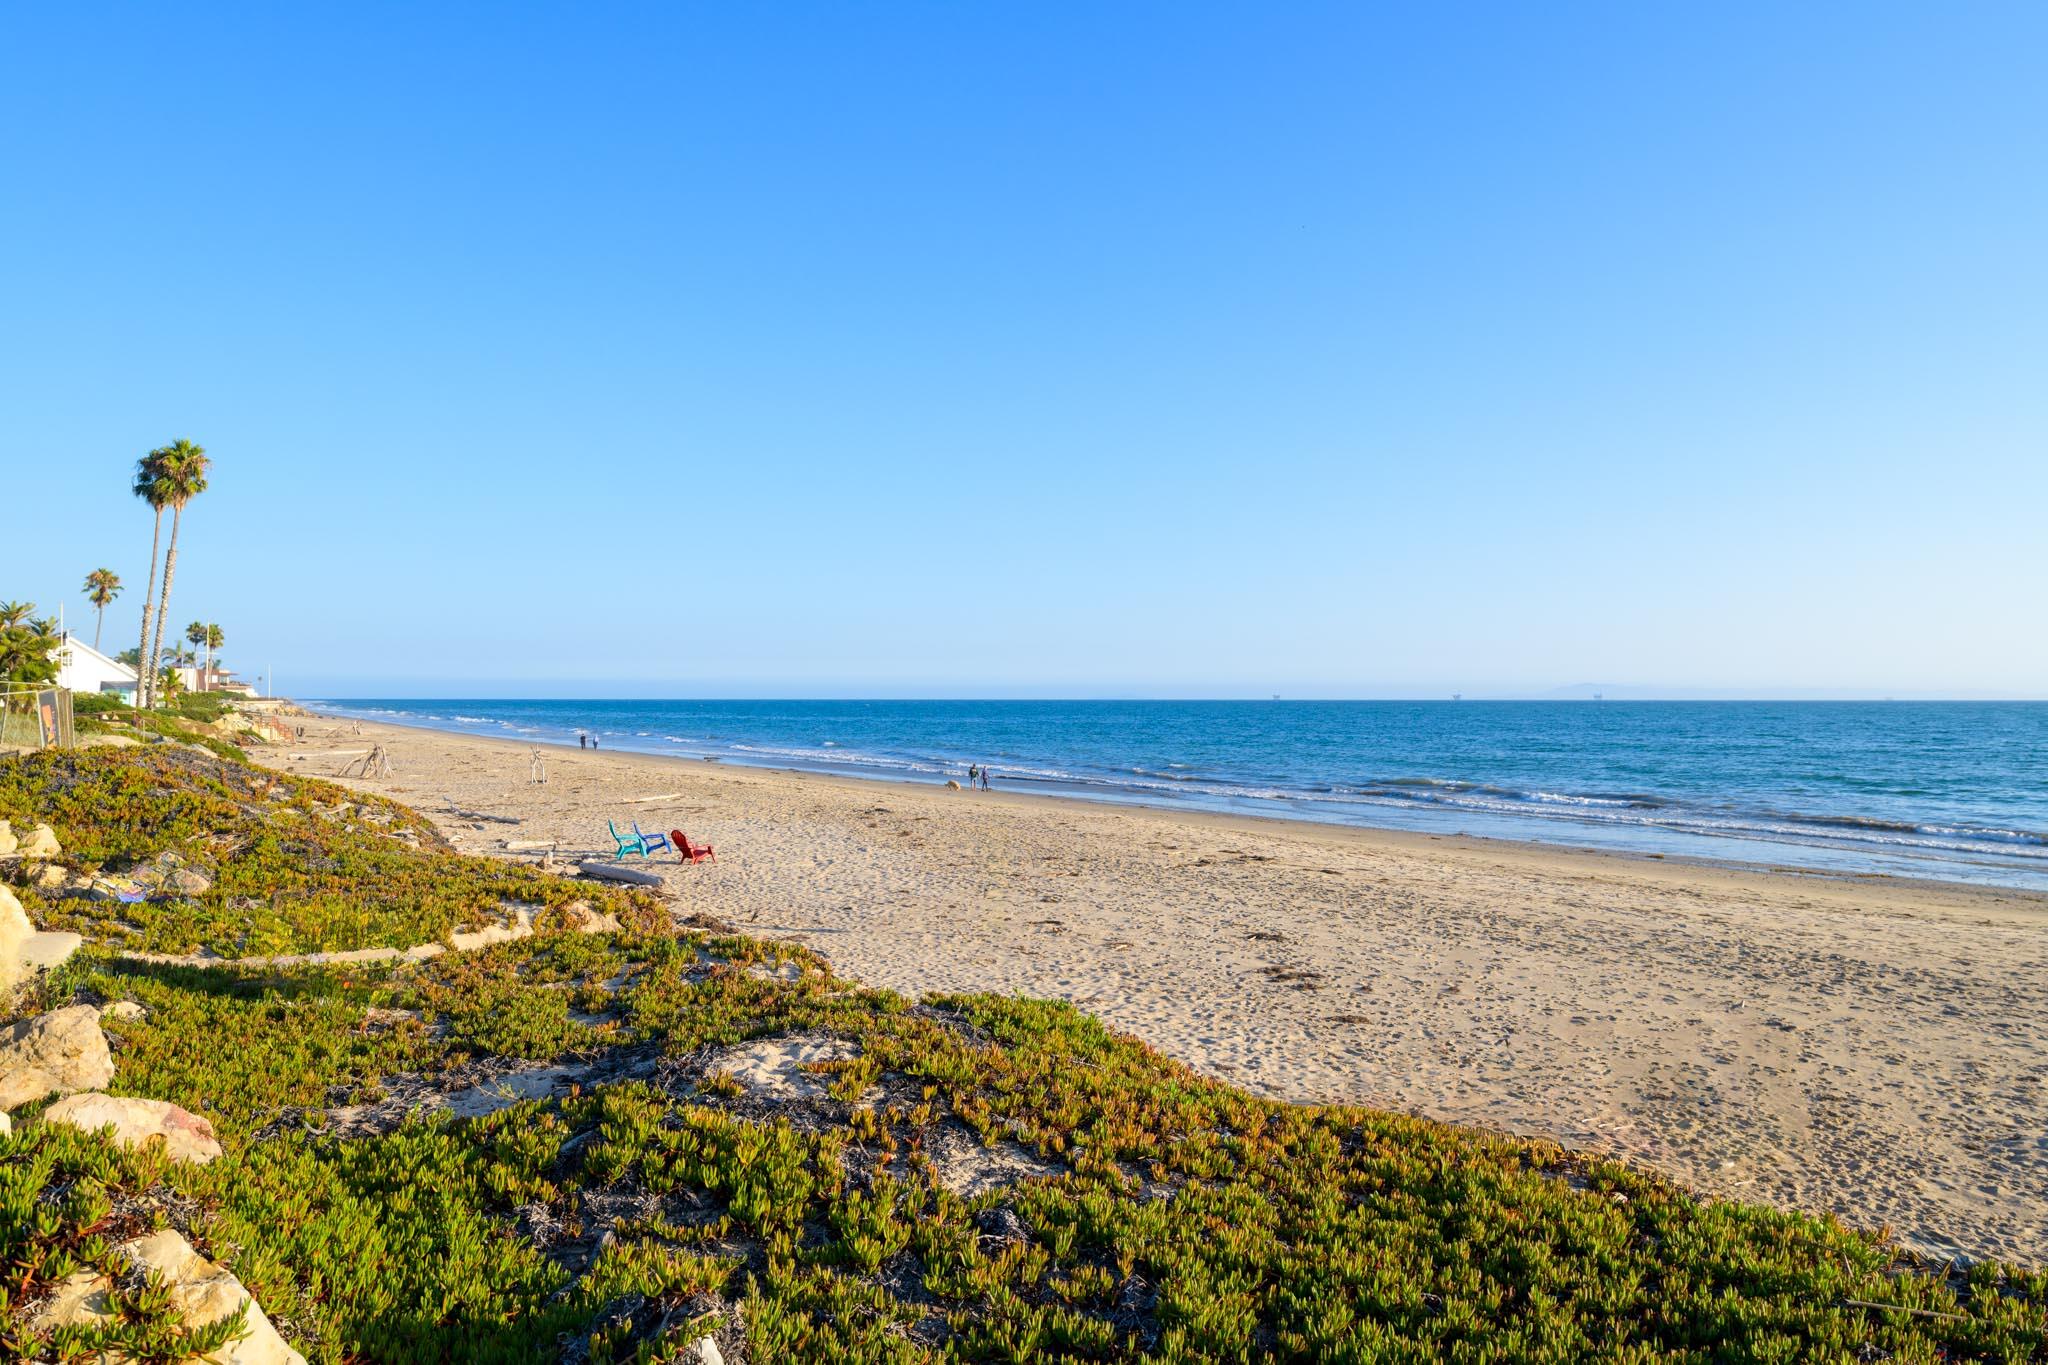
(1869, 1047)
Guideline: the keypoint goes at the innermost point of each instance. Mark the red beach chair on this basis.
(693, 853)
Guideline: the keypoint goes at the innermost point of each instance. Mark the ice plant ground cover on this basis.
(551, 1147)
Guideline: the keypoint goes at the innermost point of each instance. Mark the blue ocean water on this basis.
(1956, 790)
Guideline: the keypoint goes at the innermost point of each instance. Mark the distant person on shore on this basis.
(984, 778)
(972, 773)
(582, 740)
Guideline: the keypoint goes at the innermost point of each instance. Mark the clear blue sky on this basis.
(1005, 349)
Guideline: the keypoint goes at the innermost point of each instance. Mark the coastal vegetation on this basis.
(27, 645)
(967, 1177)
(169, 476)
(102, 586)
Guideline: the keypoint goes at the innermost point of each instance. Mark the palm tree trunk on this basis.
(99, 619)
(142, 688)
(163, 608)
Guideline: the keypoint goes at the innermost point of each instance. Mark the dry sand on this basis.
(1867, 1047)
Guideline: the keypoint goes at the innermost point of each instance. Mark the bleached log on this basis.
(616, 872)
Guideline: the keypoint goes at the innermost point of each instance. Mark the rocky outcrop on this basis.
(201, 1292)
(40, 842)
(7, 840)
(23, 951)
(53, 1054)
(136, 1122)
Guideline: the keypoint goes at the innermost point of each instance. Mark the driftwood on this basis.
(530, 845)
(375, 763)
(644, 800)
(613, 872)
(484, 815)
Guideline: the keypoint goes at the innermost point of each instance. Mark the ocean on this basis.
(1954, 790)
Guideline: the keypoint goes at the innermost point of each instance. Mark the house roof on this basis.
(79, 647)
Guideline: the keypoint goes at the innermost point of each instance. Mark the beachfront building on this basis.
(218, 679)
(82, 668)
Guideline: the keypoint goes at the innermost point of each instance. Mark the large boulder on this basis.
(186, 1136)
(7, 839)
(23, 951)
(40, 842)
(201, 1292)
(54, 1053)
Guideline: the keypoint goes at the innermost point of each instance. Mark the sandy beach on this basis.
(1872, 1048)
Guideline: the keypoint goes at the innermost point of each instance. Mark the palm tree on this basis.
(27, 645)
(214, 640)
(101, 587)
(196, 634)
(184, 468)
(152, 487)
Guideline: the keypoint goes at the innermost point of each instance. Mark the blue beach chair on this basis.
(650, 844)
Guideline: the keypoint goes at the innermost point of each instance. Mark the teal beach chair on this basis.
(636, 842)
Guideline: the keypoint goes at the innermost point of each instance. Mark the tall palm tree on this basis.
(184, 475)
(151, 486)
(214, 640)
(13, 614)
(101, 587)
(196, 634)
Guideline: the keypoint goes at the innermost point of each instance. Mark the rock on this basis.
(125, 1011)
(23, 951)
(54, 877)
(704, 1350)
(58, 1052)
(200, 1292)
(6, 1124)
(187, 882)
(186, 1136)
(40, 842)
(25, 1085)
(109, 742)
(7, 839)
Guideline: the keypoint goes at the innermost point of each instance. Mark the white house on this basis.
(82, 668)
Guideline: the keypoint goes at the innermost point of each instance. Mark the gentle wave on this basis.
(1744, 801)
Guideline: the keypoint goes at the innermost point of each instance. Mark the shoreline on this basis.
(1822, 861)
(1866, 1046)
(1972, 897)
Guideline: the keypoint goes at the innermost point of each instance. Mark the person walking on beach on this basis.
(582, 740)
(972, 771)
(984, 777)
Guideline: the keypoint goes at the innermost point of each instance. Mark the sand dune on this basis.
(1871, 1048)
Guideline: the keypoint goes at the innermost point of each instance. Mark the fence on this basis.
(35, 718)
